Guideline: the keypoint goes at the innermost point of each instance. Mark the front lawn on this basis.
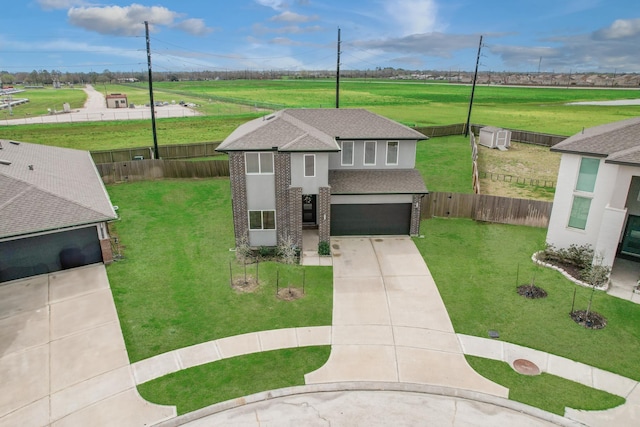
(477, 267)
(172, 288)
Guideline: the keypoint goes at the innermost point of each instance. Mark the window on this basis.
(370, 152)
(579, 212)
(262, 220)
(347, 153)
(309, 165)
(587, 175)
(259, 163)
(392, 152)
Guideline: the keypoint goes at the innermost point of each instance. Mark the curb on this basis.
(370, 386)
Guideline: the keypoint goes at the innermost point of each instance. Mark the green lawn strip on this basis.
(43, 100)
(445, 163)
(172, 289)
(475, 266)
(204, 385)
(544, 391)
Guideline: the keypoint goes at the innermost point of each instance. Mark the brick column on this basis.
(239, 196)
(282, 164)
(295, 215)
(107, 253)
(324, 214)
(415, 215)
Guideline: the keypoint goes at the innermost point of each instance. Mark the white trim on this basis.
(375, 153)
(342, 153)
(304, 165)
(386, 157)
(259, 154)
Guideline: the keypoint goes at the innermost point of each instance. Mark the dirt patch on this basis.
(593, 320)
(245, 286)
(531, 291)
(290, 294)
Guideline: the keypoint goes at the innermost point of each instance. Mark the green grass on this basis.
(544, 391)
(172, 289)
(205, 385)
(42, 100)
(445, 164)
(230, 103)
(477, 267)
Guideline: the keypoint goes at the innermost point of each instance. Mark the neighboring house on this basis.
(53, 210)
(117, 100)
(597, 199)
(342, 171)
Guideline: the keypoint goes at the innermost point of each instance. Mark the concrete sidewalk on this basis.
(63, 361)
(389, 322)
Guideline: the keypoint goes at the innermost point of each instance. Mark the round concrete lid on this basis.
(526, 367)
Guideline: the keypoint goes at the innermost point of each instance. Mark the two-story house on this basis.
(342, 171)
(597, 199)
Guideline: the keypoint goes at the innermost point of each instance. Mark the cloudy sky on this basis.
(519, 35)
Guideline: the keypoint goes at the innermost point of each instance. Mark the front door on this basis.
(309, 209)
(631, 241)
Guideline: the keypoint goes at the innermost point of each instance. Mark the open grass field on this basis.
(228, 103)
(477, 268)
(42, 100)
(172, 289)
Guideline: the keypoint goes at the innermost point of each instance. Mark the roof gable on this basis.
(47, 187)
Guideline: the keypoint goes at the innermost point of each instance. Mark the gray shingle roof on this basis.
(619, 142)
(314, 130)
(61, 189)
(376, 181)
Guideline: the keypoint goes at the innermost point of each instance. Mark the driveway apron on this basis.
(63, 361)
(389, 321)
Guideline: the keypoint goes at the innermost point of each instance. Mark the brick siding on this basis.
(295, 215)
(415, 215)
(239, 196)
(282, 170)
(324, 214)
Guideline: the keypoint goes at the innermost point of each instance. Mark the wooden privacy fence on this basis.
(516, 135)
(482, 207)
(141, 170)
(178, 151)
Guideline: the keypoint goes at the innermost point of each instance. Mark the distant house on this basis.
(53, 209)
(117, 100)
(597, 199)
(340, 171)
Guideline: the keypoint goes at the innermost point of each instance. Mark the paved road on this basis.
(95, 109)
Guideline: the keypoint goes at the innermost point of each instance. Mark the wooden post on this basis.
(303, 280)
(230, 275)
(277, 281)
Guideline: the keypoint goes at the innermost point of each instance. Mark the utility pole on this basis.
(473, 89)
(153, 107)
(338, 73)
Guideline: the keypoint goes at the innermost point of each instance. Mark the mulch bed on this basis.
(531, 291)
(290, 294)
(250, 285)
(592, 321)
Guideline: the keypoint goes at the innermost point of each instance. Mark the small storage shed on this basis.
(117, 100)
(494, 137)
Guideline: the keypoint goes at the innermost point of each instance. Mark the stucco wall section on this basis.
(415, 215)
(239, 196)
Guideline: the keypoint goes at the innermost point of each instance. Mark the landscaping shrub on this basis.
(324, 248)
(287, 251)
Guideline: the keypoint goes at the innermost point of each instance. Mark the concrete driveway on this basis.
(63, 360)
(389, 321)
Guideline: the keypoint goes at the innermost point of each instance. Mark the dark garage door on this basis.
(48, 253)
(377, 219)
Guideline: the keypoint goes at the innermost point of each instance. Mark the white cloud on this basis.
(289, 29)
(59, 4)
(273, 4)
(413, 16)
(194, 26)
(620, 29)
(432, 44)
(288, 16)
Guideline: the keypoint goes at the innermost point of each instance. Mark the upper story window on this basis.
(258, 163)
(309, 165)
(587, 176)
(347, 153)
(370, 152)
(392, 152)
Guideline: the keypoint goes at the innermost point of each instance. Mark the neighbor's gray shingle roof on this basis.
(62, 190)
(618, 142)
(314, 130)
(376, 181)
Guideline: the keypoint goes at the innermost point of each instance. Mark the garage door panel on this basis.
(370, 219)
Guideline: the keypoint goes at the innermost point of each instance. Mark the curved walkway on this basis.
(390, 325)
